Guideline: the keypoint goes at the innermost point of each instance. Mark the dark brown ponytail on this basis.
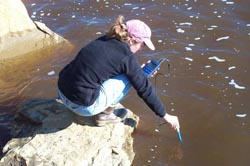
(118, 30)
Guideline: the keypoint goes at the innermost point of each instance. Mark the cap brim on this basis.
(149, 44)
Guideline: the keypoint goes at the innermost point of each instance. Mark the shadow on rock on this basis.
(41, 116)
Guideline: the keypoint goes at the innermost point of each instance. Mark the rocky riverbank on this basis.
(47, 133)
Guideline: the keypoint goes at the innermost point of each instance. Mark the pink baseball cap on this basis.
(140, 31)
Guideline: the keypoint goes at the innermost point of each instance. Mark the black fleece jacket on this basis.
(80, 81)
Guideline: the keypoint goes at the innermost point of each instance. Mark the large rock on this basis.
(19, 34)
(47, 133)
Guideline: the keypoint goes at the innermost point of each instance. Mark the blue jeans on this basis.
(112, 92)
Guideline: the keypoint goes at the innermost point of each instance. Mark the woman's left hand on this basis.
(147, 63)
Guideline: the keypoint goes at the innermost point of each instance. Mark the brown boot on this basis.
(110, 115)
(109, 110)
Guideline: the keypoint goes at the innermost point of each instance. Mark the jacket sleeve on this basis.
(142, 85)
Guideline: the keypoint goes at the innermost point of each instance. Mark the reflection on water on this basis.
(208, 87)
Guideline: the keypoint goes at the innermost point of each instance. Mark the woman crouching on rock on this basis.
(102, 72)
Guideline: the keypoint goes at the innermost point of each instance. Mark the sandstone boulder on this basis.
(19, 34)
(47, 133)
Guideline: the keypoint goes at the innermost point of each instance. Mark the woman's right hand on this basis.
(173, 121)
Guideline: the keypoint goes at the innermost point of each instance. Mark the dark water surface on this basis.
(207, 43)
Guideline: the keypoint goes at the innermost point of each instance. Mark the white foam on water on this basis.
(134, 8)
(229, 3)
(127, 4)
(231, 67)
(223, 38)
(207, 66)
(179, 30)
(186, 23)
(189, 59)
(214, 26)
(188, 48)
(33, 4)
(191, 45)
(236, 86)
(51, 73)
(241, 115)
(210, 29)
(217, 59)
